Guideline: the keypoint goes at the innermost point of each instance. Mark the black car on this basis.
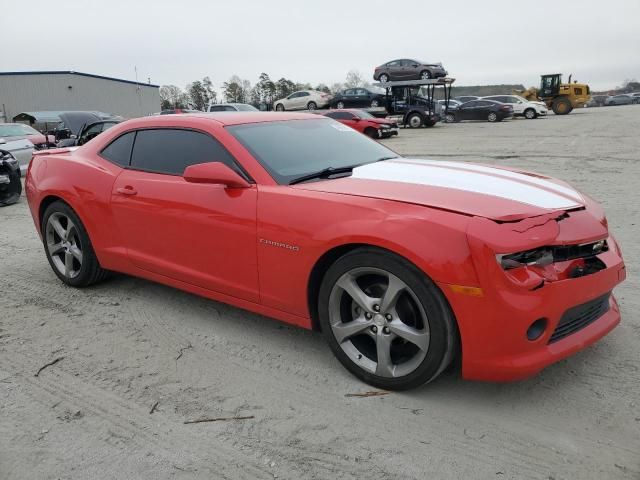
(359, 98)
(80, 127)
(488, 110)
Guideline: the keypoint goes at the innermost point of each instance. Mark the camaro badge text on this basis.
(293, 248)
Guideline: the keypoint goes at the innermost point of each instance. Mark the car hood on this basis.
(470, 189)
(75, 121)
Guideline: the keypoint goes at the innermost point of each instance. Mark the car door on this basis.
(361, 98)
(394, 70)
(466, 110)
(200, 234)
(517, 104)
(347, 97)
(481, 110)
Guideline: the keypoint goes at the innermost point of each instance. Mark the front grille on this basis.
(576, 318)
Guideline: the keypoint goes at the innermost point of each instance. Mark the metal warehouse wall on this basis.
(28, 93)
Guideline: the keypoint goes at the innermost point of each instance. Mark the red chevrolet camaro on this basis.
(403, 264)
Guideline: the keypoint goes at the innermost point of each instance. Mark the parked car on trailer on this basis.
(361, 97)
(408, 69)
(521, 107)
(364, 122)
(622, 99)
(20, 131)
(231, 107)
(403, 264)
(303, 100)
(488, 110)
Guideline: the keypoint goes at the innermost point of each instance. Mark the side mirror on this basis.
(356, 119)
(214, 173)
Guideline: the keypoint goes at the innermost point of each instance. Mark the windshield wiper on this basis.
(325, 172)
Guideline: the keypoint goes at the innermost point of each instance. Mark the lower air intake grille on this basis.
(576, 318)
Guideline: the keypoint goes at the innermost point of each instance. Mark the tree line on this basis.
(200, 93)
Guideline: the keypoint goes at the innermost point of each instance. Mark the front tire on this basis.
(279, 107)
(530, 114)
(449, 118)
(385, 320)
(425, 75)
(68, 247)
(414, 120)
(384, 78)
(561, 106)
(312, 106)
(371, 132)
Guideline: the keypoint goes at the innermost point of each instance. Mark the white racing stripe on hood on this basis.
(473, 178)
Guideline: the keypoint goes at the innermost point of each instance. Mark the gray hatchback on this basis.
(407, 69)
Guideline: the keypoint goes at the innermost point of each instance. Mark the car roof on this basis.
(232, 118)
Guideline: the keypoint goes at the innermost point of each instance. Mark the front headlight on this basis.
(543, 256)
(385, 126)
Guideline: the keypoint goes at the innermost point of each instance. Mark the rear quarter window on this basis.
(119, 150)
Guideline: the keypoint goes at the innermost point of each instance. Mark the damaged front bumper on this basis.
(530, 315)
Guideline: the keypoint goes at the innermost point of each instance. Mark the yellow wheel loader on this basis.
(559, 97)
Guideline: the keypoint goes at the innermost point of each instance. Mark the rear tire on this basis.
(561, 106)
(384, 78)
(68, 247)
(374, 104)
(492, 117)
(399, 341)
(340, 105)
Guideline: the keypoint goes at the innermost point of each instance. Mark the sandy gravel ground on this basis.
(129, 344)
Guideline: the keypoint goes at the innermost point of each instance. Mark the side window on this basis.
(395, 63)
(332, 114)
(170, 151)
(471, 104)
(348, 93)
(303, 94)
(216, 109)
(343, 116)
(577, 91)
(119, 151)
(361, 91)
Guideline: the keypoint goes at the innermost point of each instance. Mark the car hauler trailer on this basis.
(413, 100)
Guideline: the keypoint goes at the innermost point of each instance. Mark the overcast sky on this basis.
(174, 42)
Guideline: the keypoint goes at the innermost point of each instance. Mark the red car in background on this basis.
(364, 122)
(404, 264)
(16, 131)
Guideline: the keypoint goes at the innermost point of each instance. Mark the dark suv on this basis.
(407, 69)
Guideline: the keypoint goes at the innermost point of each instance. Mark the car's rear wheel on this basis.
(425, 75)
(414, 120)
(280, 107)
(340, 105)
(374, 103)
(530, 114)
(449, 118)
(312, 106)
(492, 117)
(68, 247)
(384, 78)
(385, 321)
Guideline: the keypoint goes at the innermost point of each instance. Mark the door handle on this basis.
(127, 190)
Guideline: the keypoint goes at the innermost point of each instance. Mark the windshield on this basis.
(291, 149)
(364, 114)
(17, 130)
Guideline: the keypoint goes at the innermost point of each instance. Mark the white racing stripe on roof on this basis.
(486, 181)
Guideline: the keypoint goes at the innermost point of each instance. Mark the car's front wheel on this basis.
(280, 107)
(384, 78)
(312, 106)
(414, 120)
(530, 114)
(449, 118)
(425, 75)
(68, 247)
(385, 321)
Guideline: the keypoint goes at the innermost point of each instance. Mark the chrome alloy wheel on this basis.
(379, 322)
(63, 245)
